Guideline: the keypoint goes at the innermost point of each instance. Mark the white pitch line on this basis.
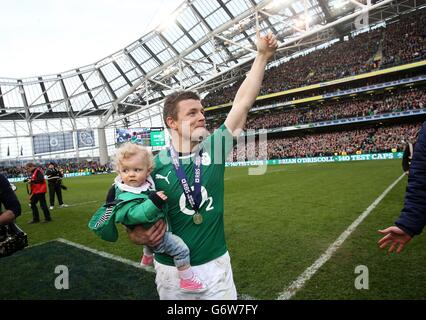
(245, 297)
(309, 272)
(81, 203)
(106, 255)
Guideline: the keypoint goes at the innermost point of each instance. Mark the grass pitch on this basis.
(90, 277)
(276, 226)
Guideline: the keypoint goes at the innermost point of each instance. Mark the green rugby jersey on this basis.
(206, 241)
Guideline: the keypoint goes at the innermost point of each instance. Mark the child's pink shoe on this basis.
(147, 261)
(194, 285)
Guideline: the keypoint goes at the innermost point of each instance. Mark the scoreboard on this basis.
(149, 137)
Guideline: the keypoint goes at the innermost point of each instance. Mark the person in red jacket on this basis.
(38, 189)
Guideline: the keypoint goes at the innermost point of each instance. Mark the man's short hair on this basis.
(170, 105)
(30, 165)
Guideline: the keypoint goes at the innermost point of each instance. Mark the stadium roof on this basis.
(202, 46)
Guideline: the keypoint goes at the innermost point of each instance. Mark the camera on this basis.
(12, 239)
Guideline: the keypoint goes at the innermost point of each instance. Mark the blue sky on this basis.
(40, 37)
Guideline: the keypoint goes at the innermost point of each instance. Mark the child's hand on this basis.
(162, 195)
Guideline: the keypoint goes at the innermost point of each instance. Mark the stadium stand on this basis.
(402, 42)
(324, 115)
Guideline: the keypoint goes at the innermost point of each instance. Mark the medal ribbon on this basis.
(194, 197)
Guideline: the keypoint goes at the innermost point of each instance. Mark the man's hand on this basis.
(6, 217)
(394, 236)
(266, 45)
(151, 237)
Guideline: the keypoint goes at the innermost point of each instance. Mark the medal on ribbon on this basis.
(194, 197)
(197, 218)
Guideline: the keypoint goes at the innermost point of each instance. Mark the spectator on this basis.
(407, 157)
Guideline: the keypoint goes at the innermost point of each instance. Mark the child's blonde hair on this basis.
(128, 150)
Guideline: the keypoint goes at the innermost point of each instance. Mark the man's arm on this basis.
(10, 201)
(250, 88)
(413, 216)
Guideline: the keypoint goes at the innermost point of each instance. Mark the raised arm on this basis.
(250, 88)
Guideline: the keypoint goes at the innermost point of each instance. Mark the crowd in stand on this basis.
(347, 142)
(65, 165)
(367, 140)
(400, 42)
(317, 66)
(351, 85)
(356, 107)
(405, 41)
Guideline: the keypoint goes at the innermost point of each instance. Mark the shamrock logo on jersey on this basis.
(205, 159)
(205, 197)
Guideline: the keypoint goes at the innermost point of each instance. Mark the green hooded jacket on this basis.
(129, 209)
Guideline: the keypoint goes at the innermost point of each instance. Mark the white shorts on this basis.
(216, 274)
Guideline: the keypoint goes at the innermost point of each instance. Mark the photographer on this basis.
(10, 202)
(38, 190)
(54, 178)
(12, 238)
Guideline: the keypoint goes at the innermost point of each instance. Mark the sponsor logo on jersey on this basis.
(166, 178)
